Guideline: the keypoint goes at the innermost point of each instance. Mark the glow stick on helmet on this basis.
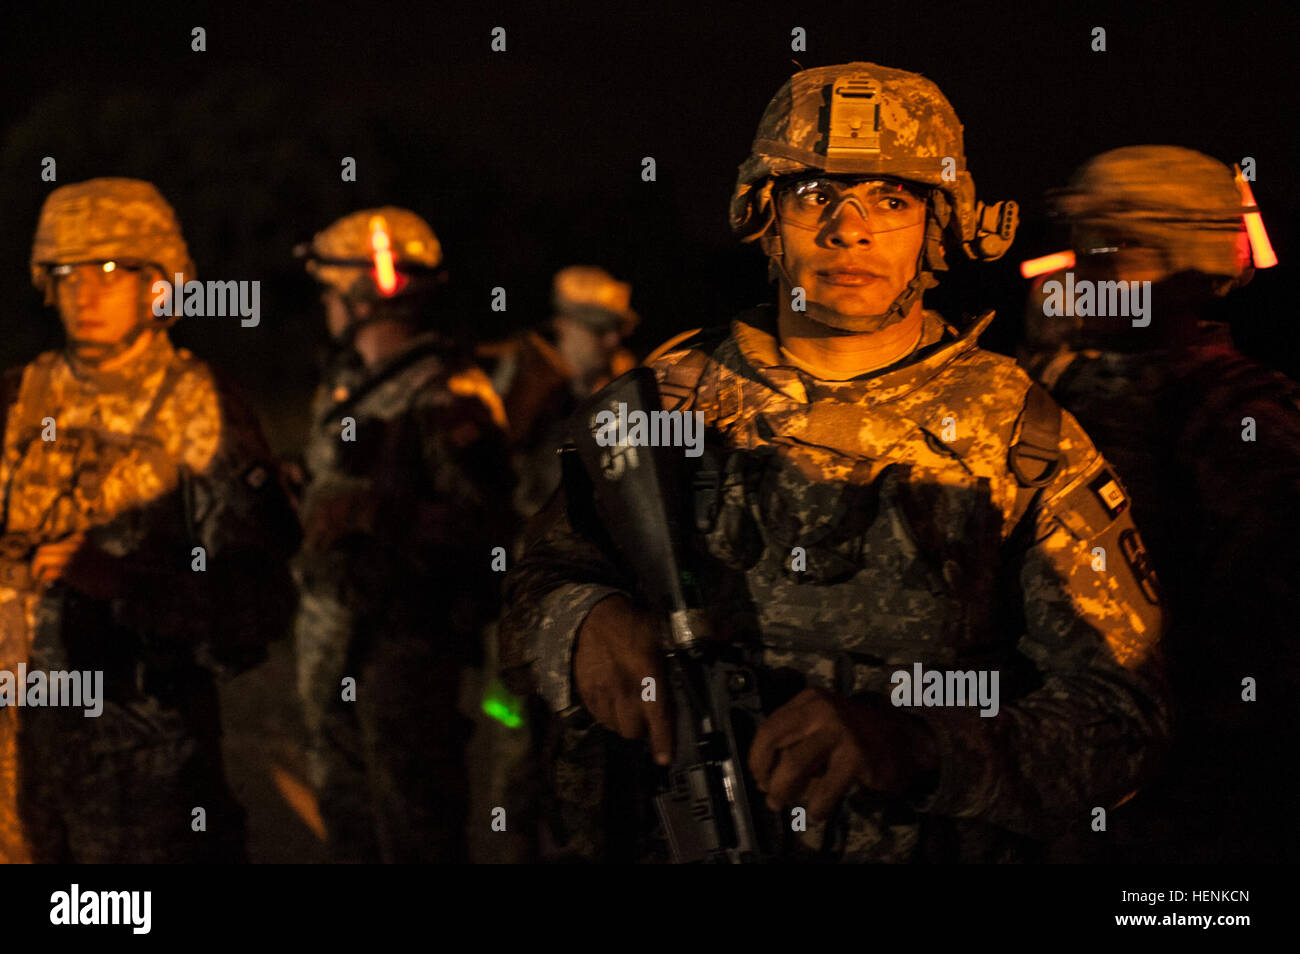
(1048, 263)
(1190, 207)
(1261, 249)
(385, 274)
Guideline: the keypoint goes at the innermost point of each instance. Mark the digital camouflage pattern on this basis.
(595, 298)
(918, 549)
(862, 119)
(150, 459)
(412, 243)
(399, 526)
(108, 218)
(906, 128)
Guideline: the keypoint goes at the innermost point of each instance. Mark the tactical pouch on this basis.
(722, 496)
(827, 520)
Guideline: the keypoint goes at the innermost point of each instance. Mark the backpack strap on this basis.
(1035, 455)
(171, 377)
(677, 382)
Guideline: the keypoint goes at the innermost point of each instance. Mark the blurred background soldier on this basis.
(1209, 443)
(885, 493)
(122, 458)
(542, 375)
(407, 495)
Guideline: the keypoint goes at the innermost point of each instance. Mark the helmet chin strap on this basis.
(898, 309)
(347, 339)
(95, 353)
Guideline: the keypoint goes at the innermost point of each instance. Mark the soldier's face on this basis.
(98, 304)
(587, 350)
(851, 246)
(1107, 256)
(336, 313)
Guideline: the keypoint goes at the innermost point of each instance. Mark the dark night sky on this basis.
(529, 160)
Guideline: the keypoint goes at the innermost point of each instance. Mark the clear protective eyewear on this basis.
(812, 201)
(1119, 257)
(105, 273)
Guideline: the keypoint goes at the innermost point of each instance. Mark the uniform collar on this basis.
(156, 356)
(417, 347)
(354, 381)
(941, 343)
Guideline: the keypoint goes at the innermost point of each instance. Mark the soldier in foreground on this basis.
(144, 537)
(1209, 442)
(407, 495)
(890, 494)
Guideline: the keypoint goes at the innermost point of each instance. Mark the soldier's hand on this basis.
(51, 559)
(617, 648)
(811, 751)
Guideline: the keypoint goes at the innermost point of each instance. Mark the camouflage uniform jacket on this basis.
(150, 460)
(406, 474)
(918, 549)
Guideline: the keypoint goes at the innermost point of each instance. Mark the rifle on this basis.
(705, 798)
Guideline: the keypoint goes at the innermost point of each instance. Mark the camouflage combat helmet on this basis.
(102, 220)
(862, 119)
(375, 254)
(1179, 201)
(595, 298)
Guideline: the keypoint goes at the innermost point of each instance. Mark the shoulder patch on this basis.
(1095, 510)
(1139, 561)
(1092, 504)
(1109, 492)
